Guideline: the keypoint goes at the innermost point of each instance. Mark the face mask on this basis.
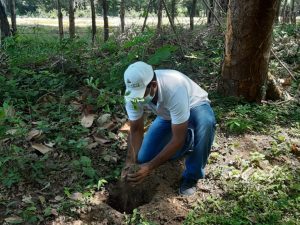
(148, 98)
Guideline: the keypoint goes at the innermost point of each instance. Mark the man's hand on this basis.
(143, 171)
(126, 171)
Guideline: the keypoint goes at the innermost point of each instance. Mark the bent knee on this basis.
(208, 123)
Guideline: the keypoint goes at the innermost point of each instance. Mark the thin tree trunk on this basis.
(173, 10)
(219, 8)
(122, 15)
(278, 12)
(72, 18)
(159, 15)
(210, 12)
(105, 19)
(283, 11)
(224, 4)
(93, 12)
(146, 16)
(293, 13)
(13, 16)
(60, 20)
(247, 48)
(192, 15)
(5, 29)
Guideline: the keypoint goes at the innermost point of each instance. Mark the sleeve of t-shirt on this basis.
(179, 106)
(134, 112)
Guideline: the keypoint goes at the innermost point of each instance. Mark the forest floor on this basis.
(63, 140)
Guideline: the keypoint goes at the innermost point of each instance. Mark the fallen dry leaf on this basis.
(11, 131)
(14, 220)
(33, 133)
(50, 144)
(87, 120)
(41, 148)
(54, 212)
(295, 149)
(93, 145)
(101, 141)
(42, 200)
(77, 196)
(76, 105)
(58, 198)
(103, 119)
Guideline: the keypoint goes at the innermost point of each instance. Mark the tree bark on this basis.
(210, 12)
(93, 12)
(5, 28)
(247, 48)
(105, 19)
(173, 10)
(146, 16)
(122, 15)
(72, 18)
(13, 16)
(192, 15)
(283, 11)
(224, 4)
(159, 15)
(278, 12)
(293, 13)
(60, 20)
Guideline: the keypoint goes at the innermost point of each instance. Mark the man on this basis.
(185, 123)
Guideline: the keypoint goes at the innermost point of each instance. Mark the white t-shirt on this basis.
(177, 94)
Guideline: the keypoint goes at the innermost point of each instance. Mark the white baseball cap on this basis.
(136, 77)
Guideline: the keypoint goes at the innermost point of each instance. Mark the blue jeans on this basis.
(202, 122)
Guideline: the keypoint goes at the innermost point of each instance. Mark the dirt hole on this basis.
(125, 198)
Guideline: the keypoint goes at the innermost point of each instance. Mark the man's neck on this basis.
(154, 100)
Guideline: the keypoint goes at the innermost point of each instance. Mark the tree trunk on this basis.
(122, 15)
(278, 12)
(224, 4)
(192, 15)
(146, 16)
(13, 16)
(293, 13)
(210, 11)
(60, 20)
(173, 10)
(5, 29)
(72, 18)
(105, 19)
(159, 15)
(247, 48)
(93, 12)
(283, 11)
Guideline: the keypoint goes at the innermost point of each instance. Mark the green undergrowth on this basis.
(266, 197)
(238, 117)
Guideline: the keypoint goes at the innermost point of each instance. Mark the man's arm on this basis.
(135, 139)
(179, 132)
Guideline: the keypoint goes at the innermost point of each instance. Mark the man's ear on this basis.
(154, 84)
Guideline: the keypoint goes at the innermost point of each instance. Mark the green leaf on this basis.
(47, 211)
(85, 161)
(89, 172)
(101, 183)
(162, 54)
